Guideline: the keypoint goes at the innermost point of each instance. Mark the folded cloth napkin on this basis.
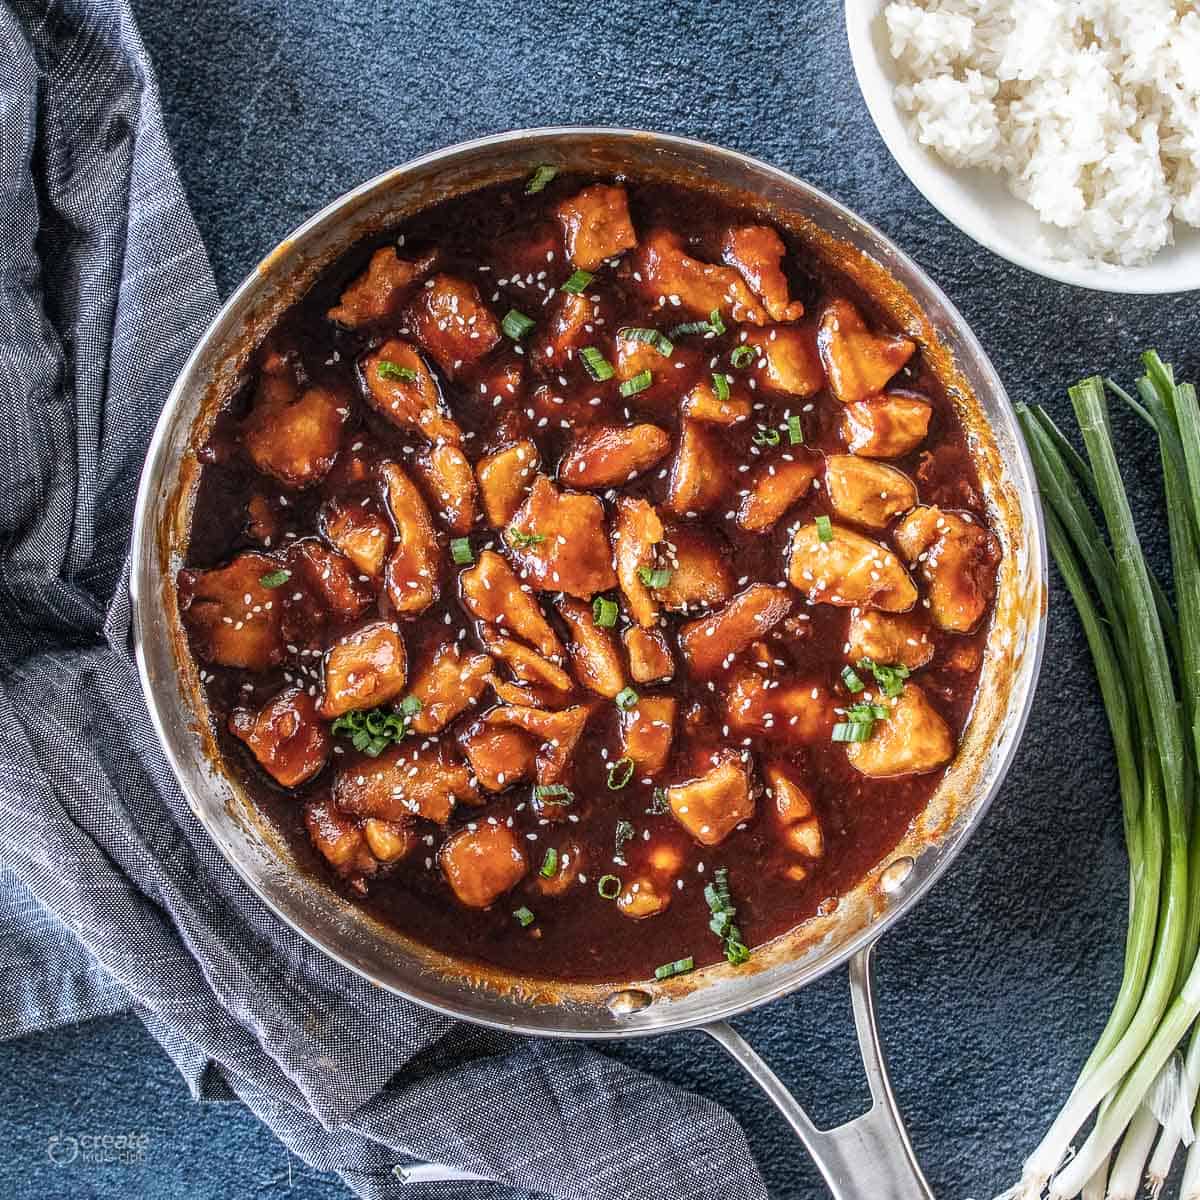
(111, 895)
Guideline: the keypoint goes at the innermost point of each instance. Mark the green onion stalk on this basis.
(1130, 1082)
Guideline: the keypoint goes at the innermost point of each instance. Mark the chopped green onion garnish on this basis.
(598, 367)
(524, 917)
(853, 731)
(523, 539)
(609, 886)
(620, 773)
(604, 612)
(538, 180)
(681, 966)
(390, 370)
(715, 323)
(721, 385)
(624, 833)
(651, 337)
(890, 678)
(852, 680)
(549, 866)
(657, 577)
(274, 579)
(742, 356)
(372, 730)
(461, 552)
(553, 793)
(795, 433)
(658, 802)
(862, 711)
(825, 529)
(626, 699)
(516, 324)
(639, 383)
(721, 906)
(767, 436)
(410, 705)
(578, 282)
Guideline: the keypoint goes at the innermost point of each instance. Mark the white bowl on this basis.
(978, 201)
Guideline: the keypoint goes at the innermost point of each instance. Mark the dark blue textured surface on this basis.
(992, 991)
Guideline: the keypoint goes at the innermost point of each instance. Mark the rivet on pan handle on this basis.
(870, 1156)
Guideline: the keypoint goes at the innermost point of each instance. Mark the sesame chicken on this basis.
(912, 740)
(403, 782)
(450, 485)
(774, 487)
(868, 493)
(412, 572)
(493, 593)
(452, 324)
(501, 757)
(886, 426)
(358, 532)
(286, 736)
(504, 480)
(340, 840)
(233, 617)
(666, 269)
(859, 363)
(700, 575)
(377, 294)
(649, 655)
(593, 650)
(900, 639)
(647, 732)
(558, 733)
(708, 642)
(848, 569)
(401, 388)
(757, 252)
(363, 669)
(596, 225)
(604, 456)
(700, 474)
(482, 862)
(450, 681)
(787, 362)
(712, 806)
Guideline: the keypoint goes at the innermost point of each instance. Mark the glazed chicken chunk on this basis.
(566, 331)
(378, 293)
(561, 542)
(899, 639)
(711, 807)
(886, 426)
(358, 532)
(493, 593)
(912, 740)
(293, 434)
(647, 731)
(868, 493)
(757, 252)
(340, 840)
(452, 324)
(793, 712)
(557, 731)
(795, 818)
(649, 655)
(668, 273)
(363, 669)
(957, 558)
(713, 641)
(638, 531)
(774, 488)
(233, 616)
(499, 756)
(596, 225)
(401, 388)
(403, 782)
(700, 473)
(593, 649)
(286, 736)
(859, 363)
(604, 456)
(450, 682)
(451, 485)
(700, 576)
(848, 569)
(327, 583)
(504, 480)
(483, 861)
(787, 362)
(411, 575)
(703, 404)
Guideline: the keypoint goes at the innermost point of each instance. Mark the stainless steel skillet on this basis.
(870, 1156)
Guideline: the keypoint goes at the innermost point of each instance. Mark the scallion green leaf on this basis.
(390, 370)
(852, 680)
(742, 356)
(604, 612)
(524, 916)
(549, 867)
(721, 385)
(652, 337)
(620, 773)
(541, 176)
(523, 539)
(824, 529)
(553, 793)
(461, 552)
(766, 436)
(654, 577)
(680, 966)
(578, 283)
(516, 324)
(639, 383)
(626, 699)
(598, 367)
(795, 432)
(274, 579)
(609, 886)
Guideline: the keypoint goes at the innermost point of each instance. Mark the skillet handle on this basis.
(870, 1156)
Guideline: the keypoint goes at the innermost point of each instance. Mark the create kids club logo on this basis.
(97, 1149)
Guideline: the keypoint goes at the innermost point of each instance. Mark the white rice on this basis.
(1089, 108)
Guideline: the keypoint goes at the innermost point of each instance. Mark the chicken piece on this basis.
(513, 693)
(526, 664)
(504, 480)
(649, 655)
(233, 617)
(340, 841)
(757, 252)
(450, 682)
(703, 404)
(870, 493)
(525, 250)
(700, 572)
(668, 272)
(561, 405)
(796, 712)
(569, 863)
(377, 294)
(401, 388)
(596, 225)
(887, 426)
(890, 639)
(403, 782)
(638, 530)
(635, 356)
(451, 483)
(452, 324)
(711, 807)
(499, 757)
(293, 435)
(795, 816)
(493, 593)
(788, 363)
(700, 473)
(643, 897)
(328, 577)
(564, 334)
(593, 650)
(957, 557)
(608, 456)
(358, 532)
(559, 539)
(647, 731)
(481, 862)
(558, 733)
(363, 669)
(707, 643)
(286, 736)
(858, 362)
(411, 575)
(262, 520)
(774, 488)
(389, 841)
(911, 741)
(847, 570)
